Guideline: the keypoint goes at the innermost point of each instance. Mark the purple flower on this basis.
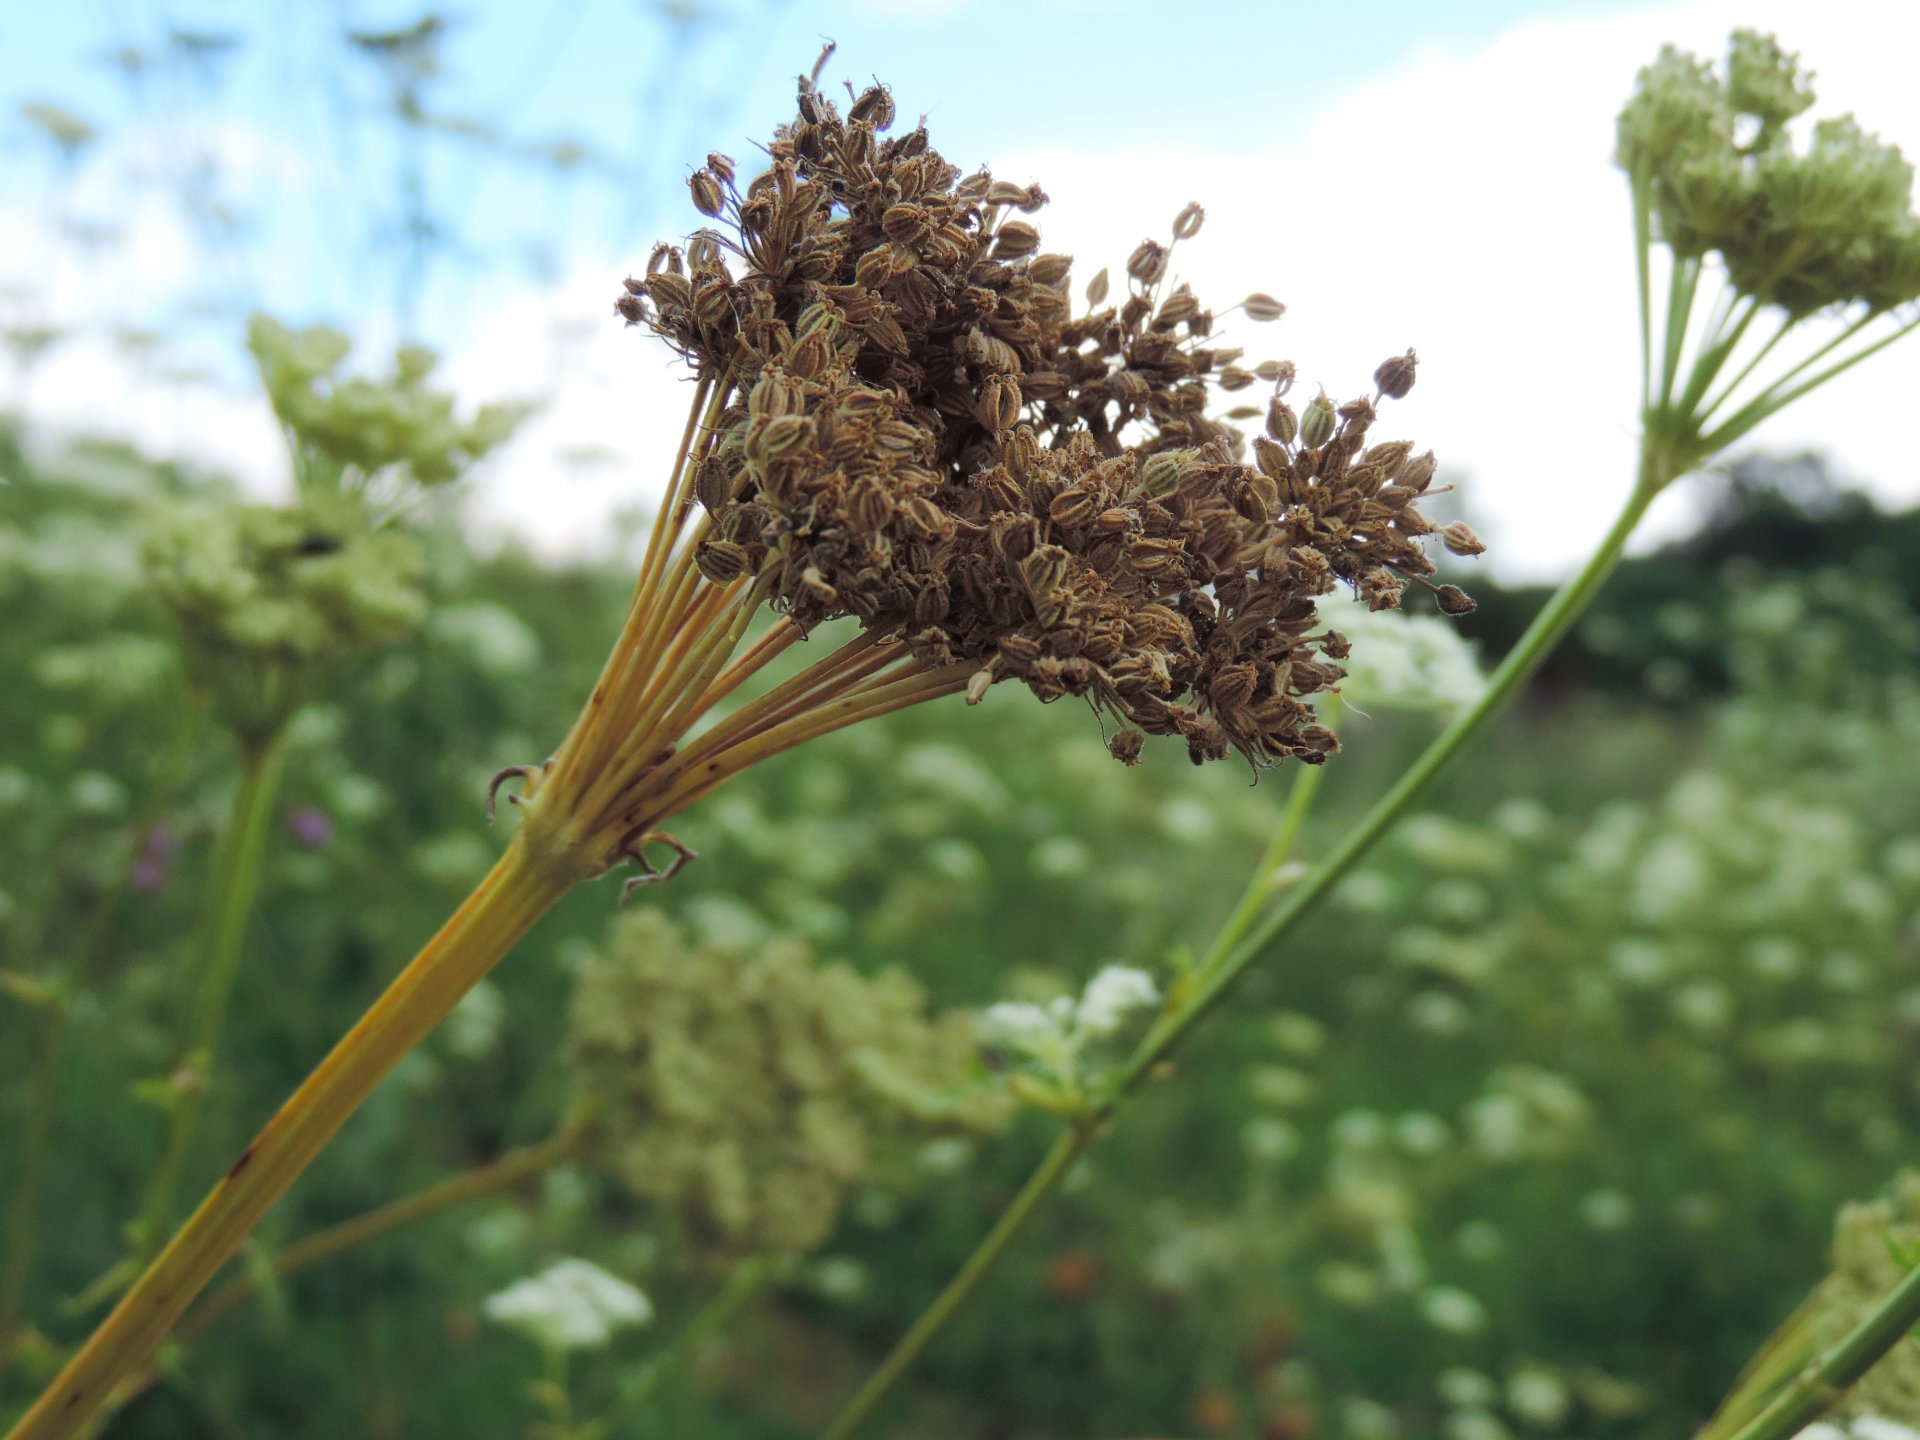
(310, 827)
(155, 861)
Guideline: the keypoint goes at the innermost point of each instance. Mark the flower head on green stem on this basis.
(1051, 1046)
(267, 597)
(1803, 229)
(1794, 231)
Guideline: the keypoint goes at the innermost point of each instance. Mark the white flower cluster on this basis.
(1055, 1033)
(571, 1305)
(1402, 661)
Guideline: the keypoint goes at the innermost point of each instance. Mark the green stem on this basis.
(1643, 267)
(1714, 355)
(1820, 1388)
(488, 1179)
(1776, 398)
(236, 880)
(1680, 291)
(1070, 1145)
(713, 1317)
(1752, 365)
(1787, 1352)
(1259, 891)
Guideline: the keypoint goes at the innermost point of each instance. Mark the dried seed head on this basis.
(1394, 378)
(1049, 269)
(1317, 425)
(1126, 746)
(916, 429)
(1016, 238)
(1148, 263)
(708, 196)
(874, 107)
(1282, 423)
(1460, 539)
(1453, 600)
(1187, 223)
(1418, 472)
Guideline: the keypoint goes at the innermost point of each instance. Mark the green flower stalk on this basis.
(1787, 236)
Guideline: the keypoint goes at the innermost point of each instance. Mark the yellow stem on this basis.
(822, 720)
(517, 891)
(794, 697)
(773, 643)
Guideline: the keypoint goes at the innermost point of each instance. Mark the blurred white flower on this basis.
(1607, 1210)
(1878, 1427)
(1453, 1311)
(1054, 1034)
(1461, 1387)
(571, 1305)
(1015, 1022)
(1269, 1140)
(1473, 1425)
(1402, 661)
(1537, 1396)
(1112, 997)
(1363, 1419)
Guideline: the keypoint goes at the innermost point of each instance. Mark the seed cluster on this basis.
(920, 432)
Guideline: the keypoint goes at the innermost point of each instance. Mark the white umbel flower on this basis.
(1112, 996)
(571, 1305)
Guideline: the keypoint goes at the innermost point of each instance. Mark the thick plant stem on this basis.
(1820, 1388)
(236, 881)
(1243, 938)
(1069, 1147)
(519, 889)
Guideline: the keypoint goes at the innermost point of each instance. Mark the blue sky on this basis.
(1434, 175)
